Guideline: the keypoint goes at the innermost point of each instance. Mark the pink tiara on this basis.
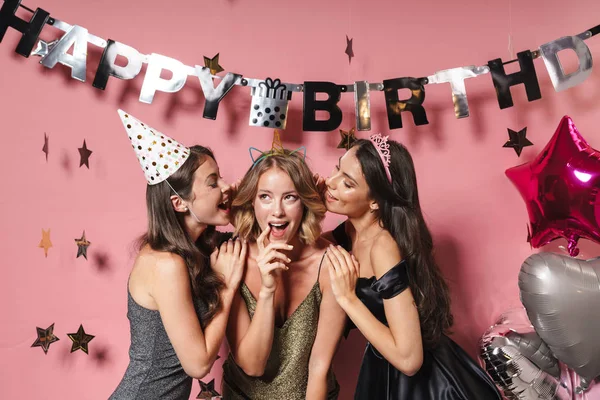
(383, 148)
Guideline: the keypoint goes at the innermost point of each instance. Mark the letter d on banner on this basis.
(555, 70)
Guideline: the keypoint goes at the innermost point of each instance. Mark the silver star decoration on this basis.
(43, 48)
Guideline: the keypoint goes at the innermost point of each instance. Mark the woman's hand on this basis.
(321, 185)
(270, 261)
(233, 189)
(229, 260)
(343, 272)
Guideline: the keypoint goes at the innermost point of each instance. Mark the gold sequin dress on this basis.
(286, 372)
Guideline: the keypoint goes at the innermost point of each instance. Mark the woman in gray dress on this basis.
(178, 305)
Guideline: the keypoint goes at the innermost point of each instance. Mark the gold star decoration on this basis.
(45, 338)
(348, 139)
(45, 149)
(45, 243)
(518, 140)
(207, 390)
(80, 340)
(349, 50)
(84, 155)
(82, 245)
(213, 64)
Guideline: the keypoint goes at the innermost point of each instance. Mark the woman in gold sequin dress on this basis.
(285, 324)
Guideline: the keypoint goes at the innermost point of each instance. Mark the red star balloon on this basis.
(560, 188)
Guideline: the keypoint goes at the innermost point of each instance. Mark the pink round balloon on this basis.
(560, 188)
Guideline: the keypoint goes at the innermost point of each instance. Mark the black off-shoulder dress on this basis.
(447, 373)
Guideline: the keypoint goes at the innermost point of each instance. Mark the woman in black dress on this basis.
(391, 287)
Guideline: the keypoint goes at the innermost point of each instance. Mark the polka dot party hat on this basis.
(159, 155)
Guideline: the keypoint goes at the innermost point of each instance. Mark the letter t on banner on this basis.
(456, 78)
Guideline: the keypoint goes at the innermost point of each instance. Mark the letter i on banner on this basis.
(362, 102)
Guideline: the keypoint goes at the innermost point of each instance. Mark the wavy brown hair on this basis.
(293, 164)
(400, 214)
(166, 232)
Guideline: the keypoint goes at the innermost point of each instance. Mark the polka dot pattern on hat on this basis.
(159, 155)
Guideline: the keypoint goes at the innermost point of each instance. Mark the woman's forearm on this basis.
(402, 354)
(214, 332)
(317, 385)
(255, 347)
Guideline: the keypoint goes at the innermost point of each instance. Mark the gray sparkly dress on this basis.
(154, 371)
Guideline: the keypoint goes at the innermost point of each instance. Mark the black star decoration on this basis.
(348, 139)
(84, 155)
(518, 140)
(80, 340)
(82, 245)
(45, 338)
(45, 148)
(207, 390)
(349, 50)
(213, 64)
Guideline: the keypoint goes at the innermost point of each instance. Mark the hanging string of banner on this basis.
(270, 97)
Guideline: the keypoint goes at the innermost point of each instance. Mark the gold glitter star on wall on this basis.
(45, 338)
(207, 390)
(213, 64)
(84, 155)
(80, 340)
(45, 243)
(82, 245)
(46, 149)
(348, 139)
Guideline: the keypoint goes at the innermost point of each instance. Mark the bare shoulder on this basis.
(320, 262)
(162, 265)
(384, 254)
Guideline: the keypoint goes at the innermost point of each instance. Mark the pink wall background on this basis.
(477, 217)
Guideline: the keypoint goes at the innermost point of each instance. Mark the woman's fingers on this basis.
(237, 247)
(262, 238)
(272, 255)
(356, 265)
(269, 268)
(213, 256)
(348, 260)
(244, 250)
(335, 261)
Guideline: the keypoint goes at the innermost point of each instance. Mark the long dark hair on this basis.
(166, 232)
(400, 214)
